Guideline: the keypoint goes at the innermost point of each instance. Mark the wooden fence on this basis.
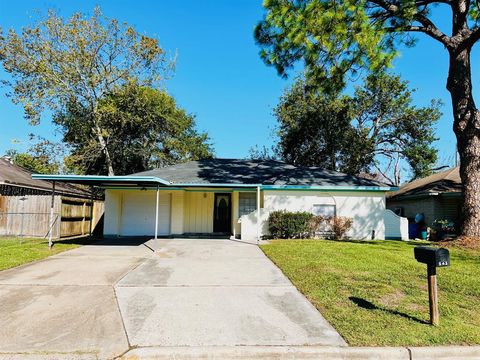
(29, 216)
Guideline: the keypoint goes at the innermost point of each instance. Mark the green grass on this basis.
(375, 293)
(16, 251)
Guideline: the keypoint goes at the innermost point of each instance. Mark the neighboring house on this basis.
(232, 197)
(437, 197)
(25, 205)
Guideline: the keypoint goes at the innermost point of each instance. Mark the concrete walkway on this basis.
(103, 300)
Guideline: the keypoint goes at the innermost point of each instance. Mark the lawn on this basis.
(375, 293)
(16, 251)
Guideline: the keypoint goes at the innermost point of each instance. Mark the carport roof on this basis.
(101, 180)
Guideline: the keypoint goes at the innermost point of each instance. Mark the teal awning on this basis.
(102, 180)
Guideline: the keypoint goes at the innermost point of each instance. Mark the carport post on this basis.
(156, 213)
(91, 213)
(258, 214)
(52, 204)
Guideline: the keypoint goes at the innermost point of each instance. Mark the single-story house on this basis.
(25, 205)
(437, 197)
(232, 197)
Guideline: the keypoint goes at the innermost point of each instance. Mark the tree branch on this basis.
(473, 37)
(428, 27)
(431, 29)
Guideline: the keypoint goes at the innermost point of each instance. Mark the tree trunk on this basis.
(467, 130)
(103, 145)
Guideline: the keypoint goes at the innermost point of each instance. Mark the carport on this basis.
(100, 181)
(138, 212)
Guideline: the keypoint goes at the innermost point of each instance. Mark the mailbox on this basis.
(433, 257)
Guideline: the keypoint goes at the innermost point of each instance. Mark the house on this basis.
(232, 197)
(437, 197)
(25, 205)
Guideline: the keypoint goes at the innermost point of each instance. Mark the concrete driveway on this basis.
(102, 300)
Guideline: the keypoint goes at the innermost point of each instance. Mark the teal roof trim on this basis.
(101, 179)
(329, 188)
(232, 185)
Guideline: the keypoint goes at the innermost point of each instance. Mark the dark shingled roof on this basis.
(441, 182)
(265, 172)
(11, 174)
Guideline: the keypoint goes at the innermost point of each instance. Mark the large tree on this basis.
(142, 127)
(80, 60)
(338, 37)
(312, 127)
(377, 130)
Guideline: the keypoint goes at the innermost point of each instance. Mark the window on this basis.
(247, 202)
(324, 210)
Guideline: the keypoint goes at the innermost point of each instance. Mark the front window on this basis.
(247, 203)
(324, 210)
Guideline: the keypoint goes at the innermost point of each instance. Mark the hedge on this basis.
(283, 224)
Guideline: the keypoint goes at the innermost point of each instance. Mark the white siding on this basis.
(113, 212)
(132, 212)
(365, 208)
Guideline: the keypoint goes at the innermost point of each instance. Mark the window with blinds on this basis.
(324, 210)
(247, 202)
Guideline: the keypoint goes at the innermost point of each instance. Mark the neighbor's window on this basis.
(324, 210)
(247, 202)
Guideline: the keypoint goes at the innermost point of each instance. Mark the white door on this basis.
(138, 213)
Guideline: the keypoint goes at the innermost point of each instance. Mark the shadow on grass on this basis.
(365, 304)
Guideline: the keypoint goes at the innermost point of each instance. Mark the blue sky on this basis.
(219, 75)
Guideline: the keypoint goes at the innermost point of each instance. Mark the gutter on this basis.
(328, 188)
(424, 195)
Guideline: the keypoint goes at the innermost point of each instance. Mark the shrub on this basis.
(340, 226)
(334, 226)
(283, 224)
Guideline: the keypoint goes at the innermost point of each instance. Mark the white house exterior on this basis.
(233, 198)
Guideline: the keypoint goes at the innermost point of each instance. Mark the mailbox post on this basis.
(433, 294)
(433, 257)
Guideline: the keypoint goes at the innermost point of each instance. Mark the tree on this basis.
(375, 130)
(394, 129)
(262, 153)
(142, 127)
(337, 38)
(56, 63)
(42, 157)
(312, 127)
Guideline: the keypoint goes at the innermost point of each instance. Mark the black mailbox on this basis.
(437, 257)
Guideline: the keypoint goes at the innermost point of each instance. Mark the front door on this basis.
(222, 213)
